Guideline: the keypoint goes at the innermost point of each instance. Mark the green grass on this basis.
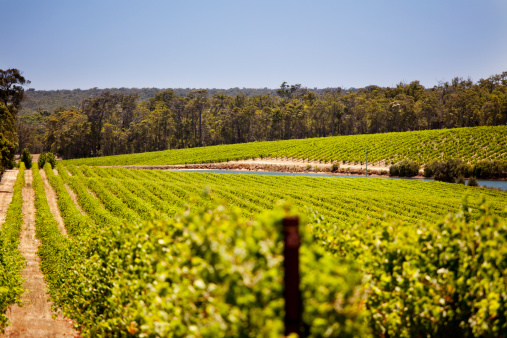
(469, 144)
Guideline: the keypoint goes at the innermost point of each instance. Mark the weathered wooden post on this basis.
(292, 295)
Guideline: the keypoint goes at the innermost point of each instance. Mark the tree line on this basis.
(49, 100)
(111, 123)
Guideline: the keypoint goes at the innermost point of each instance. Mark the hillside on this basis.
(49, 100)
(469, 144)
(144, 120)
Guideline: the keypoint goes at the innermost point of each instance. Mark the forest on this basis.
(122, 121)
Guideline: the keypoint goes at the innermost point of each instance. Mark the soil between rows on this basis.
(34, 318)
(273, 165)
(53, 202)
(6, 189)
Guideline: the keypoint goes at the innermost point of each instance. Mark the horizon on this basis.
(256, 88)
(227, 44)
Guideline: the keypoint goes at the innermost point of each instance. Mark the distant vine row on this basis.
(471, 145)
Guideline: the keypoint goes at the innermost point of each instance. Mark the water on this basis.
(488, 183)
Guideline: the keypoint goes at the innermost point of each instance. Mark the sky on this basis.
(253, 44)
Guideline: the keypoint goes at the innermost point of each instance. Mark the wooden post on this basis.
(292, 295)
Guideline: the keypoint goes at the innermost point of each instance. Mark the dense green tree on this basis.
(96, 109)
(26, 158)
(11, 89)
(7, 153)
(128, 122)
(68, 134)
(101, 109)
(11, 96)
(8, 124)
(30, 127)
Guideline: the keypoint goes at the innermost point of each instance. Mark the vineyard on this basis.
(468, 144)
(156, 253)
(354, 186)
(11, 260)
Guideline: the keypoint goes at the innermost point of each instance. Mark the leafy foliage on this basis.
(487, 168)
(211, 271)
(342, 201)
(46, 158)
(450, 170)
(174, 119)
(441, 278)
(11, 96)
(26, 158)
(11, 260)
(215, 273)
(467, 144)
(11, 89)
(472, 182)
(7, 152)
(404, 169)
(7, 125)
(460, 180)
(447, 171)
(48, 101)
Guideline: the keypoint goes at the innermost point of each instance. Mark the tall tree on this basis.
(11, 89)
(173, 119)
(198, 103)
(11, 95)
(7, 124)
(97, 109)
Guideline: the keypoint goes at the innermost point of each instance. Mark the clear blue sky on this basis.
(257, 43)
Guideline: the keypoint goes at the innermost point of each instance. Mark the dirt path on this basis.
(261, 162)
(53, 202)
(34, 318)
(6, 188)
(74, 198)
(304, 163)
(72, 194)
(272, 165)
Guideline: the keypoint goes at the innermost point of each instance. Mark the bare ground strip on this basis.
(6, 190)
(53, 202)
(34, 318)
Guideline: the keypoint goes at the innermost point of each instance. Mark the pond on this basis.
(488, 183)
